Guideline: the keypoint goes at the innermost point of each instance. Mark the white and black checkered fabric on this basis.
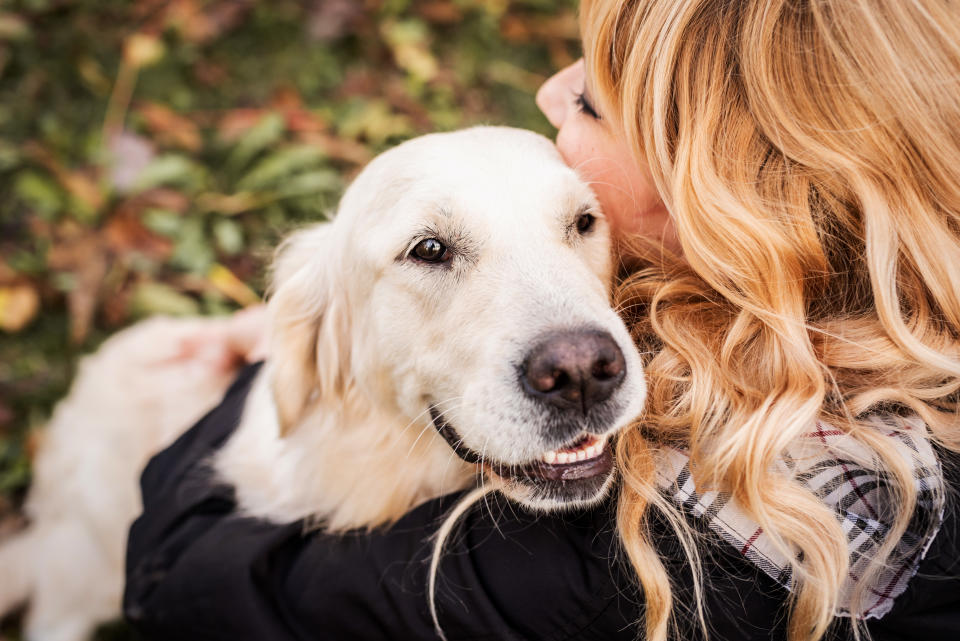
(837, 469)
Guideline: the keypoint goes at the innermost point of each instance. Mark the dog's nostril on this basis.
(607, 369)
(574, 369)
(556, 379)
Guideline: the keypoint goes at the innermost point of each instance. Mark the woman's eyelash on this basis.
(585, 107)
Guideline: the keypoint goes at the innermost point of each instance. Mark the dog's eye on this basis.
(431, 250)
(585, 222)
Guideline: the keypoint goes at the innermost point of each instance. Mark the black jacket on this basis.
(196, 570)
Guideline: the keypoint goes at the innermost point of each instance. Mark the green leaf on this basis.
(170, 170)
(163, 221)
(192, 251)
(312, 182)
(273, 170)
(39, 192)
(374, 121)
(263, 134)
(157, 298)
(229, 236)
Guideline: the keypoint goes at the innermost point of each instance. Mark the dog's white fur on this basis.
(130, 399)
(365, 339)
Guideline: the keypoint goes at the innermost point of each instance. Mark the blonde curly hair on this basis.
(808, 153)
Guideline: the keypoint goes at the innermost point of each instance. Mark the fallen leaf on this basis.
(279, 166)
(187, 18)
(6, 417)
(162, 198)
(230, 286)
(125, 232)
(311, 182)
(142, 50)
(513, 76)
(210, 73)
(80, 184)
(237, 122)
(13, 27)
(171, 128)
(229, 236)
(343, 149)
(7, 274)
(156, 298)
(19, 305)
(93, 76)
(227, 204)
(170, 169)
(409, 42)
(267, 130)
(39, 193)
(440, 12)
(375, 122)
(192, 251)
(84, 256)
(332, 19)
(202, 22)
(304, 120)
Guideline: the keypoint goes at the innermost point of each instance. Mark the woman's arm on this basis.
(197, 570)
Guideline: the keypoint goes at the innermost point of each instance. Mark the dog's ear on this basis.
(309, 344)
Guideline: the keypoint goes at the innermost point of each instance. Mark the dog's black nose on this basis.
(574, 369)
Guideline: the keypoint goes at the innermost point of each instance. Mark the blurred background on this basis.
(152, 153)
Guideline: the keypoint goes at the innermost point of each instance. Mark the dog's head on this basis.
(465, 280)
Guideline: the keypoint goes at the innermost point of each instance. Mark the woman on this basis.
(782, 177)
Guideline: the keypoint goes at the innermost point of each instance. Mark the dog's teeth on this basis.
(584, 453)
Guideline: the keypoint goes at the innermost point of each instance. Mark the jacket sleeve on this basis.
(197, 570)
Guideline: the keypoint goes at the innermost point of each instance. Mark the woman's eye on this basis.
(585, 107)
(585, 222)
(431, 250)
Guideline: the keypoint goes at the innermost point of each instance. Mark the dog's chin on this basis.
(578, 474)
(579, 489)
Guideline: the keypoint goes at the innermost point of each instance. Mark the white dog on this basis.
(453, 318)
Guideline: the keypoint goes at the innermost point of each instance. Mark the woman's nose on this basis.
(555, 96)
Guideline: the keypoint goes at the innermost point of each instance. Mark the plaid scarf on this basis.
(836, 468)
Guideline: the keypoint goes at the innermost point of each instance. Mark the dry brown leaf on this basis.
(342, 149)
(210, 73)
(302, 120)
(160, 198)
(228, 204)
(170, 128)
(85, 256)
(201, 22)
(7, 274)
(440, 12)
(80, 183)
(519, 28)
(236, 122)
(19, 305)
(124, 233)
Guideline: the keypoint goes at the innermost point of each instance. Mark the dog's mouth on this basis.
(584, 460)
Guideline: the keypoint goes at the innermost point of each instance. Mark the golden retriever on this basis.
(453, 321)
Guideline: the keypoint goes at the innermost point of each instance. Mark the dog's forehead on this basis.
(470, 173)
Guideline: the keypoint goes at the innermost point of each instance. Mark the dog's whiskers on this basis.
(429, 425)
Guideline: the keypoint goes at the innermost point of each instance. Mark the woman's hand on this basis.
(240, 339)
